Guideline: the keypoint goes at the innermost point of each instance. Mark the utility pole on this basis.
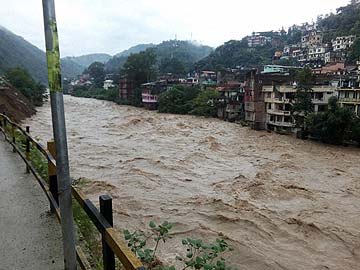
(59, 130)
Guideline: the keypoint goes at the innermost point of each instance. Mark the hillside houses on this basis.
(313, 51)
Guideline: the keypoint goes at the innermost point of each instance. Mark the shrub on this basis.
(198, 255)
(205, 103)
(178, 100)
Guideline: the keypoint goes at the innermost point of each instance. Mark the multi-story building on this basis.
(270, 69)
(126, 89)
(208, 78)
(254, 101)
(348, 93)
(317, 53)
(279, 97)
(151, 91)
(343, 43)
(231, 101)
(257, 39)
(289, 50)
(335, 57)
(279, 91)
(312, 38)
(108, 84)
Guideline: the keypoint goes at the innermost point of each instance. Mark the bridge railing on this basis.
(112, 243)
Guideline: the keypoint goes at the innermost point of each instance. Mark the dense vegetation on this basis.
(173, 56)
(335, 126)
(140, 67)
(303, 97)
(235, 53)
(178, 100)
(189, 100)
(98, 93)
(31, 89)
(346, 21)
(197, 255)
(17, 52)
(97, 73)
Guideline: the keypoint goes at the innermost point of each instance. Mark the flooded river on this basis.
(282, 203)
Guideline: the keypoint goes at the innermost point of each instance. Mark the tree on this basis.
(205, 103)
(355, 130)
(333, 126)
(97, 72)
(178, 100)
(354, 54)
(140, 67)
(172, 65)
(31, 89)
(303, 97)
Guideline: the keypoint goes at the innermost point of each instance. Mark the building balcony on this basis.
(320, 101)
(348, 89)
(278, 100)
(147, 98)
(249, 106)
(278, 112)
(281, 124)
(349, 100)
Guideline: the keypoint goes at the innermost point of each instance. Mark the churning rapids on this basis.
(282, 203)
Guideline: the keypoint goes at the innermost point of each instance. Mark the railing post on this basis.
(53, 185)
(13, 137)
(106, 212)
(27, 149)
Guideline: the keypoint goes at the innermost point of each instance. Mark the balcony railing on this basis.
(281, 123)
(278, 112)
(349, 100)
(147, 98)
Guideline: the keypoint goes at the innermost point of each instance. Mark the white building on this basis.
(108, 84)
(317, 53)
(279, 100)
(343, 43)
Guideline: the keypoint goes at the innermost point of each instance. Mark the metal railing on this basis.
(112, 243)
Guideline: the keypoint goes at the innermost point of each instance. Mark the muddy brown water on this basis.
(282, 203)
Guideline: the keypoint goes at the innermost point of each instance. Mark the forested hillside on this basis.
(114, 64)
(86, 60)
(346, 21)
(17, 52)
(237, 53)
(174, 56)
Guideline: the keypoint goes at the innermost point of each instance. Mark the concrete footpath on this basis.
(30, 238)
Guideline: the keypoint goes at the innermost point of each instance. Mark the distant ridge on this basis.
(15, 51)
(86, 60)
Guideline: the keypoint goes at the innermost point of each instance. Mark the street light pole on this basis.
(59, 130)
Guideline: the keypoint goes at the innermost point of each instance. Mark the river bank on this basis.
(281, 202)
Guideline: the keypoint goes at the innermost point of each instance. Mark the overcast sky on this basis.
(110, 26)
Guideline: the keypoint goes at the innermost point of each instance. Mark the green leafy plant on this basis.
(137, 241)
(198, 255)
(205, 256)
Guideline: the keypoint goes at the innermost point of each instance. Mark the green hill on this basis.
(135, 49)
(345, 22)
(235, 53)
(184, 53)
(15, 51)
(86, 60)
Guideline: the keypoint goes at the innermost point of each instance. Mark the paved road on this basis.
(30, 238)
